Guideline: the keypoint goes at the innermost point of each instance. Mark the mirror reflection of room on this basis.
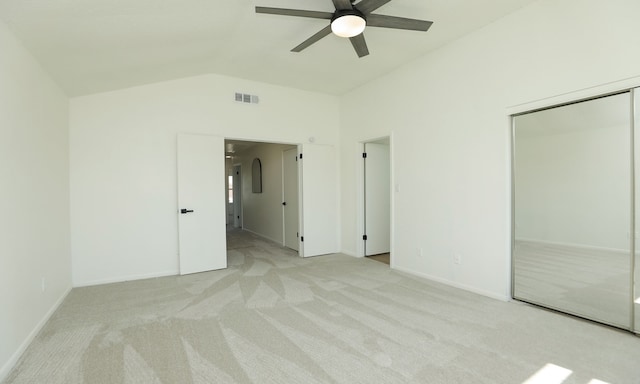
(572, 209)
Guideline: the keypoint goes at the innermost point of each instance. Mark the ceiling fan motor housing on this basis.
(348, 22)
(348, 12)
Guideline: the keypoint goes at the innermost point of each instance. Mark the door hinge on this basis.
(297, 234)
(364, 237)
(364, 155)
(301, 155)
(302, 238)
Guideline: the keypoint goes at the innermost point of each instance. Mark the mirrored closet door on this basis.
(635, 94)
(572, 209)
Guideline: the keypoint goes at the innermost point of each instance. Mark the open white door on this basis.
(377, 190)
(201, 203)
(319, 200)
(290, 197)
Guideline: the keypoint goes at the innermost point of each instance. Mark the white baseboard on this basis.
(125, 278)
(8, 366)
(454, 284)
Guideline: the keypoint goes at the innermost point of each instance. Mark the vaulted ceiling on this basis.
(91, 46)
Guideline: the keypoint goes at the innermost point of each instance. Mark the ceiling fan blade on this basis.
(360, 45)
(295, 12)
(342, 4)
(368, 6)
(385, 21)
(322, 33)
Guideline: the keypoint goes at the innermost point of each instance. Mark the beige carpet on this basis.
(273, 317)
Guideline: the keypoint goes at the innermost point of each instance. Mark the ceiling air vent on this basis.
(246, 98)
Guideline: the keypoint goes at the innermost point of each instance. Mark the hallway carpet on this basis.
(273, 317)
(383, 258)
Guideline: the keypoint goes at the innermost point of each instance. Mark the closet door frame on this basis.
(634, 267)
(635, 199)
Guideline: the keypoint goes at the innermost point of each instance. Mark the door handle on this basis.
(184, 210)
(284, 203)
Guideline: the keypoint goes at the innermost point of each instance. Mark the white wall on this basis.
(449, 115)
(262, 212)
(34, 225)
(123, 162)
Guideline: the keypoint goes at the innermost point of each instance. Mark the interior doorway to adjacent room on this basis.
(376, 181)
(264, 199)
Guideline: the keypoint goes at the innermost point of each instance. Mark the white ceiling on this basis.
(91, 46)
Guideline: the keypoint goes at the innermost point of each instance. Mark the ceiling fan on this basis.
(349, 20)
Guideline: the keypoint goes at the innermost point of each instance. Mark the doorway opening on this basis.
(376, 197)
(205, 163)
(263, 190)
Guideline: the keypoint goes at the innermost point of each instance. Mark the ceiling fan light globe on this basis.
(348, 25)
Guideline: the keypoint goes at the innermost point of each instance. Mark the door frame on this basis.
(300, 196)
(360, 198)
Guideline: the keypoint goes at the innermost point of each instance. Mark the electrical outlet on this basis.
(457, 258)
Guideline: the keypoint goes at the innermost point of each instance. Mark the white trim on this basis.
(360, 212)
(585, 93)
(465, 287)
(300, 204)
(122, 279)
(10, 364)
(392, 197)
